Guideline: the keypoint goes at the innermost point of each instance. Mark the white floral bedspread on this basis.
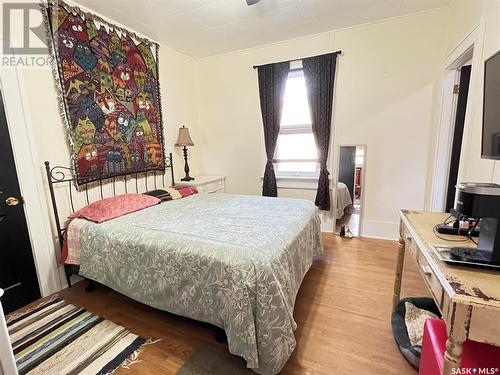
(344, 199)
(234, 261)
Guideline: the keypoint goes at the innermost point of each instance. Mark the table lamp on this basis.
(184, 140)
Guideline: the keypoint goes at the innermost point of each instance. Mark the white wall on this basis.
(387, 83)
(462, 18)
(232, 136)
(179, 91)
(470, 22)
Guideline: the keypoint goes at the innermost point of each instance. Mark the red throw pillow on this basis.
(185, 191)
(110, 208)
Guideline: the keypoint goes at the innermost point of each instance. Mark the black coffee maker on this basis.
(481, 201)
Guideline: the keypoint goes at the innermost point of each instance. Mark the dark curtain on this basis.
(319, 73)
(272, 80)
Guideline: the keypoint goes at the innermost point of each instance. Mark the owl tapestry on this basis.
(107, 80)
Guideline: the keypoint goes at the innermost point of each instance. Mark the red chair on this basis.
(476, 355)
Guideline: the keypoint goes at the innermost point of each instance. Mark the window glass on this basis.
(295, 105)
(296, 153)
(296, 146)
(296, 169)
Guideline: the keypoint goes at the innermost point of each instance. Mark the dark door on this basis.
(458, 133)
(347, 167)
(17, 269)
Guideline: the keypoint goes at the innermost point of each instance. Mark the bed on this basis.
(344, 199)
(234, 261)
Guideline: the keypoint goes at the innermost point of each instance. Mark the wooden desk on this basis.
(468, 298)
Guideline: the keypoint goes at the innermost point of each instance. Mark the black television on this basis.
(490, 148)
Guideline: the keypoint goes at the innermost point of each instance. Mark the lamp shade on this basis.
(184, 139)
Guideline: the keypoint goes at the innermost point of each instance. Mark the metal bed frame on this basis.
(60, 174)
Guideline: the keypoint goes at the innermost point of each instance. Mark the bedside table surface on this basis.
(201, 180)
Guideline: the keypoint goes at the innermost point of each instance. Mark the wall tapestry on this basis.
(109, 94)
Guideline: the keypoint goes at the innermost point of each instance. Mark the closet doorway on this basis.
(451, 131)
(18, 277)
(350, 189)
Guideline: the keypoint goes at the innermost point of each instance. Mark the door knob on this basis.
(12, 201)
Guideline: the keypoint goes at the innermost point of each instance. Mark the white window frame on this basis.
(295, 129)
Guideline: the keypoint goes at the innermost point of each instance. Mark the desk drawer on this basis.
(410, 244)
(483, 326)
(212, 187)
(431, 280)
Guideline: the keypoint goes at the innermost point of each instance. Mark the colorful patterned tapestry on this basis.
(107, 82)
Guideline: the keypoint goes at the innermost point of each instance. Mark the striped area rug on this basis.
(59, 338)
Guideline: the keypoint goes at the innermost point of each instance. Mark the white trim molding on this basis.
(385, 230)
(445, 140)
(472, 43)
(300, 183)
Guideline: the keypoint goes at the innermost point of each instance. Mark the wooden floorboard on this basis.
(343, 314)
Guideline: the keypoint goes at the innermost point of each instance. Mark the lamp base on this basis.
(187, 177)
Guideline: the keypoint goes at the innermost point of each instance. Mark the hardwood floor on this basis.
(350, 219)
(343, 314)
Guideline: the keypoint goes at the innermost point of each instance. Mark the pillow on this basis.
(174, 193)
(185, 191)
(414, 320)
(169, 194)
(110, 208)
(161, 194)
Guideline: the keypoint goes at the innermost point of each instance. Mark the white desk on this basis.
(468, 298)
(206, 184)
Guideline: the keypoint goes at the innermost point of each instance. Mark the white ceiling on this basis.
(201, 28)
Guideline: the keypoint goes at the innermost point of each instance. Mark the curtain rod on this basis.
(339, 52)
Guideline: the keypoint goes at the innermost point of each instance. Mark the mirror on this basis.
(350, 189)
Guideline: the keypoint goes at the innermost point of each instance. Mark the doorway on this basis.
(350, 189)
(451, 132)
(18, 277)
(462, 91)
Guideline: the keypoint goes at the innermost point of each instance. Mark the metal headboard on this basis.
(64, 175)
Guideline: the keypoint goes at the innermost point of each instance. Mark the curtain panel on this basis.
(319, 73)
(272, 80)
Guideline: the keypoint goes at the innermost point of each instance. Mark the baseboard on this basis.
(327, 221)
(385, 230)
(62, 277)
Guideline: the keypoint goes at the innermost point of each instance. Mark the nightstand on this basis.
(206, 184)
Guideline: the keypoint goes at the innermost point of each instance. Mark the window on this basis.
(360, 155)
(296, 154)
